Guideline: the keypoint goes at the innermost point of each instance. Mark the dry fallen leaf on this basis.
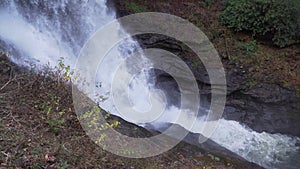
(49, 158)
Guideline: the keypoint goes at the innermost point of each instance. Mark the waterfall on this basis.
(41, 32)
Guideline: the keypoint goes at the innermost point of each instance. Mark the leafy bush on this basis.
(209, 2)
(280, 19)
(249, 47)
(135, 7)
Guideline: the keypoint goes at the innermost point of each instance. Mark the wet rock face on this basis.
(272, 93)
(276, 111)
(264, 107)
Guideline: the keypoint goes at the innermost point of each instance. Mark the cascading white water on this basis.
(38, 32)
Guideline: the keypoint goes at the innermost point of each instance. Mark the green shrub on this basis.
(209, 2)
(280, 19)
(249, 47)
(135, 7)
